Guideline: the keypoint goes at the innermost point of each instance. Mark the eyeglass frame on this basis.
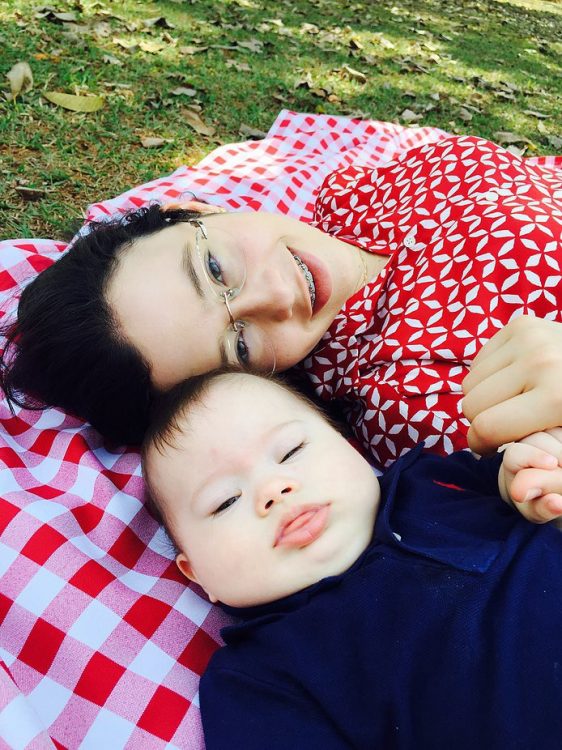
(230, 293)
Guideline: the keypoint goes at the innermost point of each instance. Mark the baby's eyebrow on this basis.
(187, 265)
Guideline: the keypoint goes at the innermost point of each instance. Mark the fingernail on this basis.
(532, 494)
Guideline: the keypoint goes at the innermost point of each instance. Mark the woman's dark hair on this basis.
(65, 348)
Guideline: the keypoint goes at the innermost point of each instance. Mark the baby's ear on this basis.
(191, 205)
(186, 569)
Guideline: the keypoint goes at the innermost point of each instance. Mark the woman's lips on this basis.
(302, 525)
(321, 276)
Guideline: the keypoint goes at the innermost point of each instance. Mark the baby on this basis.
(417, 610)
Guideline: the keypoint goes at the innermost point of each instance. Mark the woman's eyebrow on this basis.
(187, 265)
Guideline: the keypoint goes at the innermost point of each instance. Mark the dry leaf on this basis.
(534, 113)
(555, 141)
(20, 78)
(151, 46)
(192, 50)
(254, 45)
(125, 43)
(465, 115)
(193, 119)
(183, 91)
(30, 194)
(355, 75)
(505, 137)
(159, 21)
(153, 142)
(74, 103)
(409, 116)
(516, 151)
(252, 133)
(110, 60)
(241, 67)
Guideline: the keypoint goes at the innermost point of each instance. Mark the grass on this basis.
(471, 66)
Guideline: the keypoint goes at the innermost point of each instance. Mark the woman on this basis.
(454, 239)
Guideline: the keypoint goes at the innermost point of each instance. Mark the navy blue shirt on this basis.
(445, 633)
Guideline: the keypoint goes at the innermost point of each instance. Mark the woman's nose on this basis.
(272, 491)
(267, 296)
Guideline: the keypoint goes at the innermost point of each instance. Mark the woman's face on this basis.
(168, 290)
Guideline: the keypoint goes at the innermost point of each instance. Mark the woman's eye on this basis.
(292, 452)
(225, 505)
(242, 351)
(215, 270)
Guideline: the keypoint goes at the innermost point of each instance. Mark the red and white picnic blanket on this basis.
(101, 642)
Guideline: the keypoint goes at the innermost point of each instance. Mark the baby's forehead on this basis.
(229, 403)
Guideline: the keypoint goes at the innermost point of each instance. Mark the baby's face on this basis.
(263, 496)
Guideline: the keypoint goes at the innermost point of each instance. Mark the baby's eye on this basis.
(227, 503)
(215, 270)
(292, 452)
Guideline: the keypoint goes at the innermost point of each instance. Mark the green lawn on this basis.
(472, 66)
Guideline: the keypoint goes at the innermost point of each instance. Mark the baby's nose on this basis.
(273, 491)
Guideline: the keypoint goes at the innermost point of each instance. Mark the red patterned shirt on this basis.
(475, 235)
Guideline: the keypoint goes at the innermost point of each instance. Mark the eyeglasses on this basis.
(223, 267)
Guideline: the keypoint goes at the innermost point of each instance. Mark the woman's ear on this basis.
(186, 569)
(191, 205)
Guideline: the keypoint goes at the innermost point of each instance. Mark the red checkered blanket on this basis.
(101, 642)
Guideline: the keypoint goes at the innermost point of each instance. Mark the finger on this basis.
(544, 509)
(510, 420)
(546, 441)
(528, 484)
(556, 433)
(486, 364)
(519, 456)
(499, 385)
(497, 341)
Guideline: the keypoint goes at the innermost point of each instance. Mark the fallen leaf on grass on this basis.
(30, 194)
(241, 67)
(183, 91)
(160, 21)
(110, 60)
(125, 43)
(555, 141)
(534, 113)
(354, 75)
(254, 45)
(151, 46)
(194, 121)
(409, 116)
(192, 50)
(74, 103)
(465, 115)
(504, 137)
(520, 152)
(253, 133)
(153, 142)
(20, 78)
(50, 15)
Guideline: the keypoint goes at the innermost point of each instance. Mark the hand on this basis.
(531, 476)
(514, 387)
